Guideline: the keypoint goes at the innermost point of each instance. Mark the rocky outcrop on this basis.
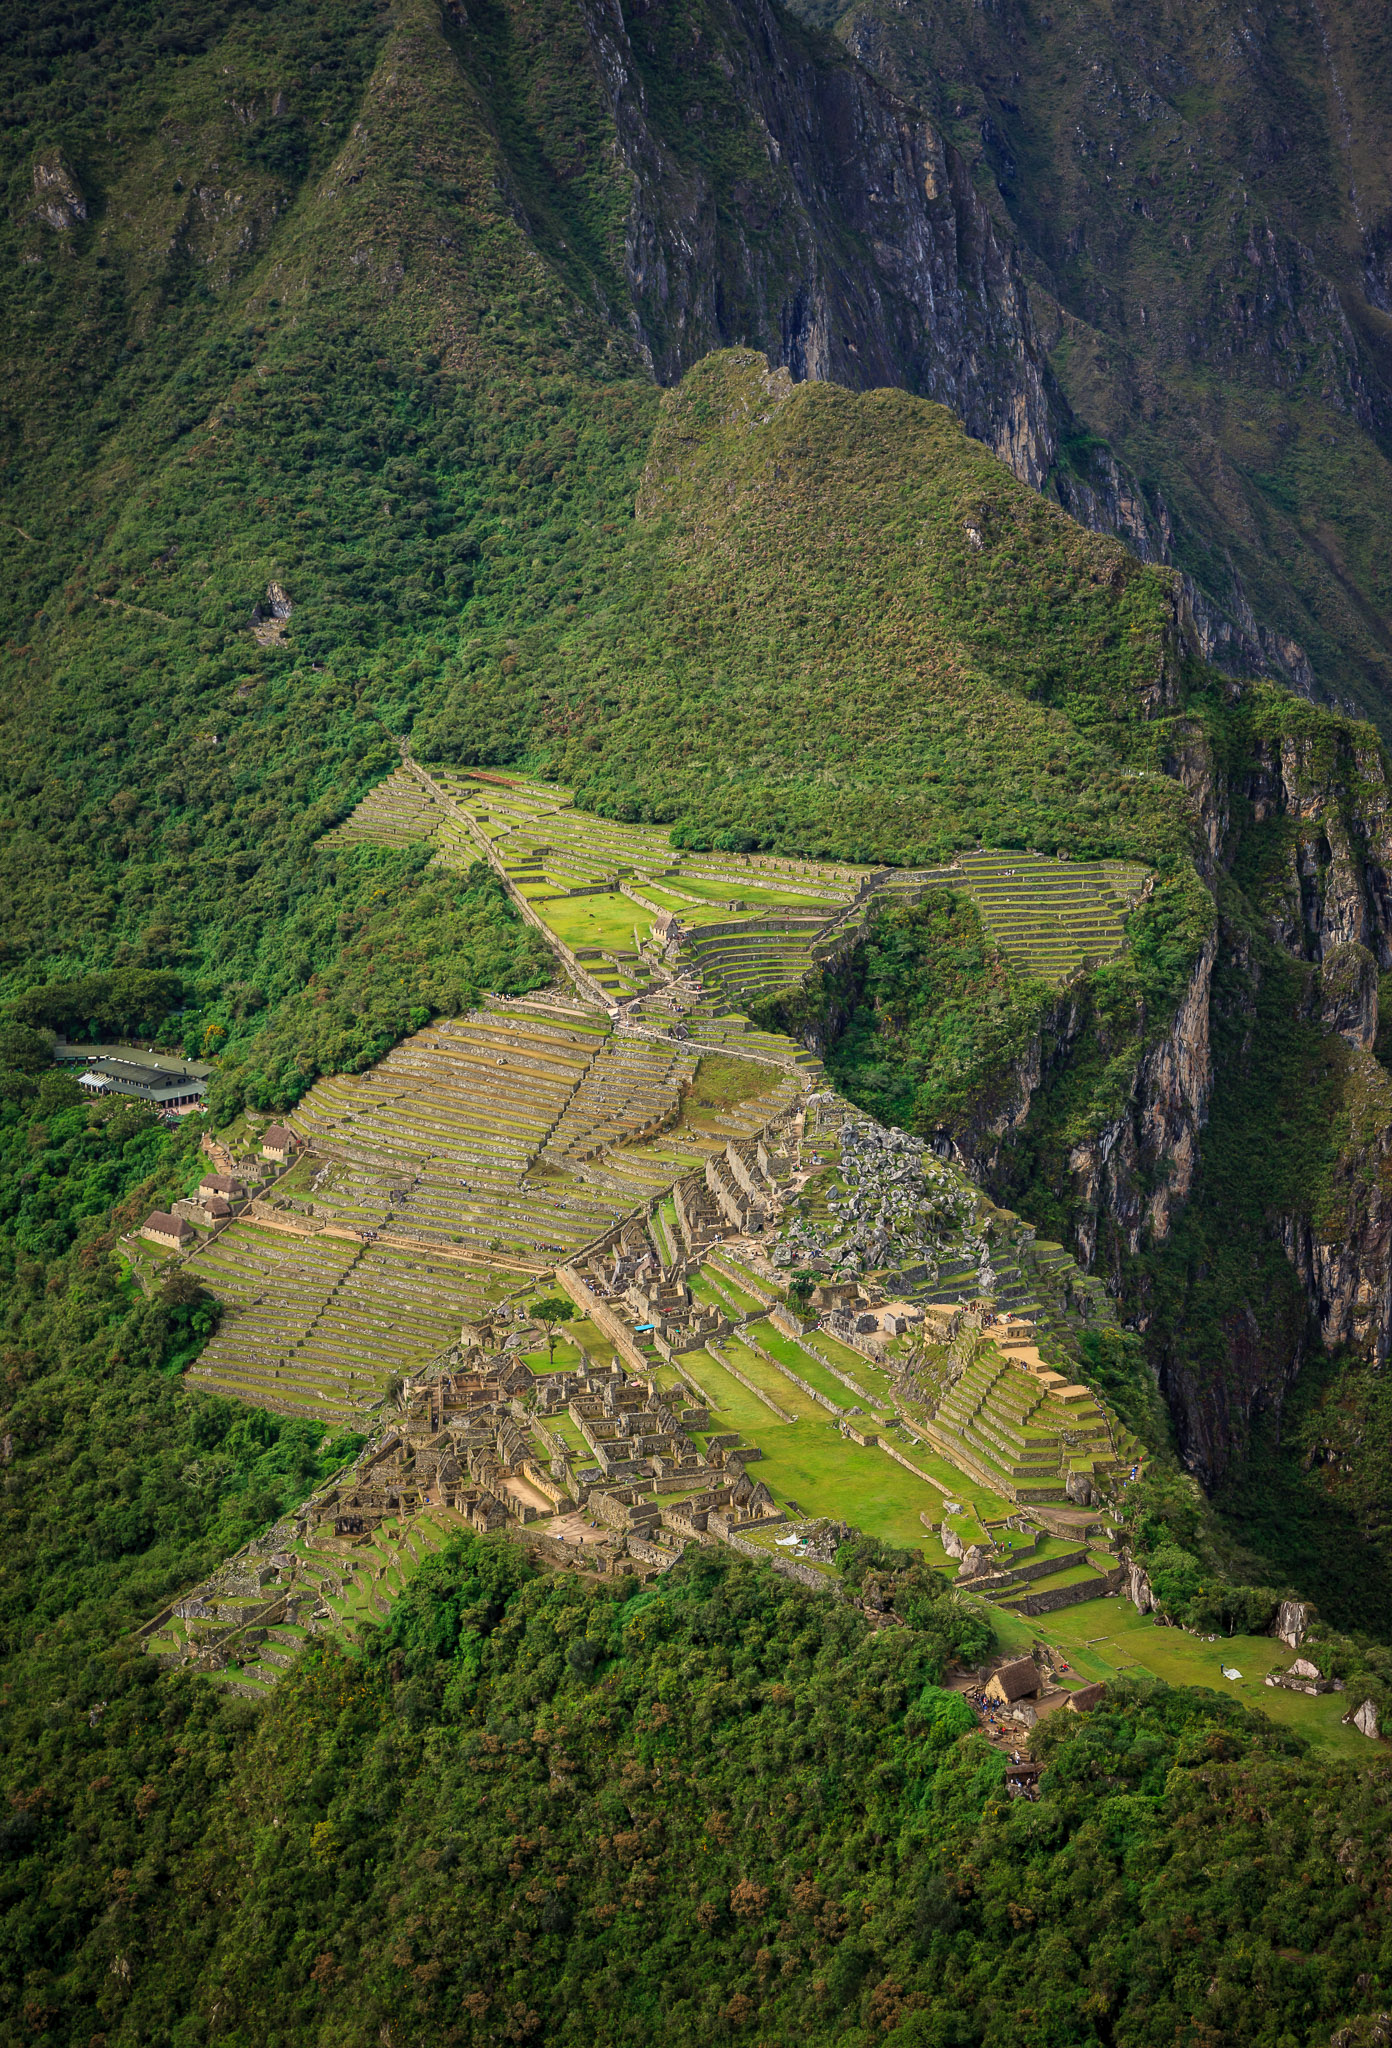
(1347, 990)
(58, 198)
(1279, 275)
(1365, 1719)
(1293, 1617)
(1343, 1254)
(1332, 785)
(1135, 1587)
(1104, 495)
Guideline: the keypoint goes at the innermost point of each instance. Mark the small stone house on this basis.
(170, 1232)
(212, 1209)
(1086, 1698)
(484, 1511)
(222, 1185)
(1017, 1681)
(279, 1144)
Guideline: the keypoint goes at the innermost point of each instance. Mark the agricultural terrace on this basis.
(742, 925)
(471, 1160)
(924, 1394)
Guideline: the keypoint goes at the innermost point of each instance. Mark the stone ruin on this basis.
(476, 1437)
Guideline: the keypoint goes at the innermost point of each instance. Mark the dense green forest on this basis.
(535, 1808)
(535, 1805)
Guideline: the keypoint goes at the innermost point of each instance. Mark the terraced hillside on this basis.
(351, 1583)
(477, 1155)
(392, 814)
(493, 1146)
(317, 1325)
(755, 958)
(436, 1142)
(746, 925)
(1048, 916)
(1022, 1434)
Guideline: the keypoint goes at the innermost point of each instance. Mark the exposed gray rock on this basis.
(1348, 994)
(1136, 1587)
(1293, 1617)
(59, 199)
(859, 251)
(1365, 1719)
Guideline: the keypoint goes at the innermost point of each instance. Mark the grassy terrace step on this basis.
(977, 1462)
(335, 1320)
(1081, 1582)
(394, 812)
(735, 1286)
(1050, 915)
(785, 1351)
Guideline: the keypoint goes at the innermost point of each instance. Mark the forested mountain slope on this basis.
(360, 316)
(1201, 203)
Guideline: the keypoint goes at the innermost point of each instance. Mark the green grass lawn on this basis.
(990, 1506)
(722, 1081)
(775, 1384)
(567, 1359)
(561, 1426)
(799, 1361)
(876, 1383)
(1101, 1638)
(732, 1406)
(592, 920)
(707, 1294)
(1071, 1575)
(744, 1301)
(665, 1220)
(750, 895)
(728, 1262)
(592, 1337)
(825, 1474)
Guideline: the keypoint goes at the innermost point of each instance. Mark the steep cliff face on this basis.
(1227, 1164)
(782, 197)
(612, 190)
(1300, 1153)
(1129, 1173)
(1133, 1177)
(1203, 201)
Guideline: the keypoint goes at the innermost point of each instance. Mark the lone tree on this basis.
(800, 1292)
(395, 1396)
(551, 1311)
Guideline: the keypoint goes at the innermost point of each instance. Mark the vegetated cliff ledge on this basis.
(1222, 1148)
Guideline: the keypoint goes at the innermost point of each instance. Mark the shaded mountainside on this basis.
(1201, 200)
(366, 306)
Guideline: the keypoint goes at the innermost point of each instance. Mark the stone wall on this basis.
(1069, 1596)
(730, 1367)
(787, 1567)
